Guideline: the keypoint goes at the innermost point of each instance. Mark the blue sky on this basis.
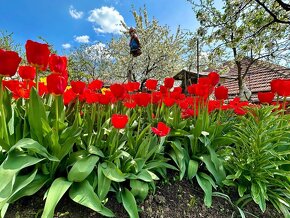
(68, 23)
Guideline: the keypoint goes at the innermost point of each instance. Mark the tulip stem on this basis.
(284, 105)
(56, 114)
(4, 131)
(139, 122)
(36, 78)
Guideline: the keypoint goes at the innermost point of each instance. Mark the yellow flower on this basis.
(43, 80)
(103, 90)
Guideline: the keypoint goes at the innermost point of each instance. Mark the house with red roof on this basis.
(257, 79)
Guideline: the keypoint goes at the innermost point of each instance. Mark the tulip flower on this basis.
(119, 121)
(275, 83)
(214, 78)
(118, 90)
(37, 54)
(161, 130)
(132, 86)
(95, 85)
(283, 88)
(266, 97)
(151, 84)
(168, 82)
(221, 93)
(78, 87)
(169, 101)
(27, 72)
(9, 61)
(56, 84)
(58, 64)
(142, 99)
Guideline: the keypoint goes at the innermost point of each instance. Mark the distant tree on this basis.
(194, 58)
(234, 32)
(89, 62)
(161, 51)
(8, 43)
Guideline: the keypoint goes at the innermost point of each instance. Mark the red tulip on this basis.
(130, 104)
(151, 84)
(213, 105)
(9, 61)
(204, 80)
(237, 105)
(57, 64)
(118, 90)
(275, 83)
(156, 97)
(132, 86)
(28, 84)
(168, 101)
(163, 90)
(142, 99)
(106, 99)
(192, 89)
(177, 90)
(186, 113)
(21, 93)
(284, 88)
(68, 96)
(161, 130)
(37, 54)
(221, 93)
(42, 89)
(183, 104)
(95, 85)
(56, 84)
(12, 85)
(91, 97)
(239, 111)
(119, 121)
(78, 87)
(27, 72)
(266, 97)
(203, 90)
(214, 78)
(168, 82)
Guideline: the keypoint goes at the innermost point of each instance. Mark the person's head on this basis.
(132, 31)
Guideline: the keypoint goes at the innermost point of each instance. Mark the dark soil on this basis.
(176, 200)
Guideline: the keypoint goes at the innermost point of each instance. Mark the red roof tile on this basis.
(258, 78)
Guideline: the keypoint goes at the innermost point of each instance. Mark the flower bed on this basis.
(89, 142)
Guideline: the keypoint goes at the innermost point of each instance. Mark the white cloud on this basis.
(74, 13)
(82, 39)
(66, 46)
(106, 20)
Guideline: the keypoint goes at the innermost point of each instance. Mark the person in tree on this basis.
(135, 48)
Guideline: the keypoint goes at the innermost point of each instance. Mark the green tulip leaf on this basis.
(139, 189)
(33, 146)
(113, 173)
(104, 183)
(55, 193)
(206, 187)
(192, 169)
(83, 193)
(129, 203)
(82, 168)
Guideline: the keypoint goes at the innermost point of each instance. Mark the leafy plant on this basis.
(193, 149)
(258, 158)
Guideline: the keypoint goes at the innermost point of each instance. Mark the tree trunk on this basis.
(240, 79)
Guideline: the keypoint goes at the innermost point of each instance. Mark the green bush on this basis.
(257, 160)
